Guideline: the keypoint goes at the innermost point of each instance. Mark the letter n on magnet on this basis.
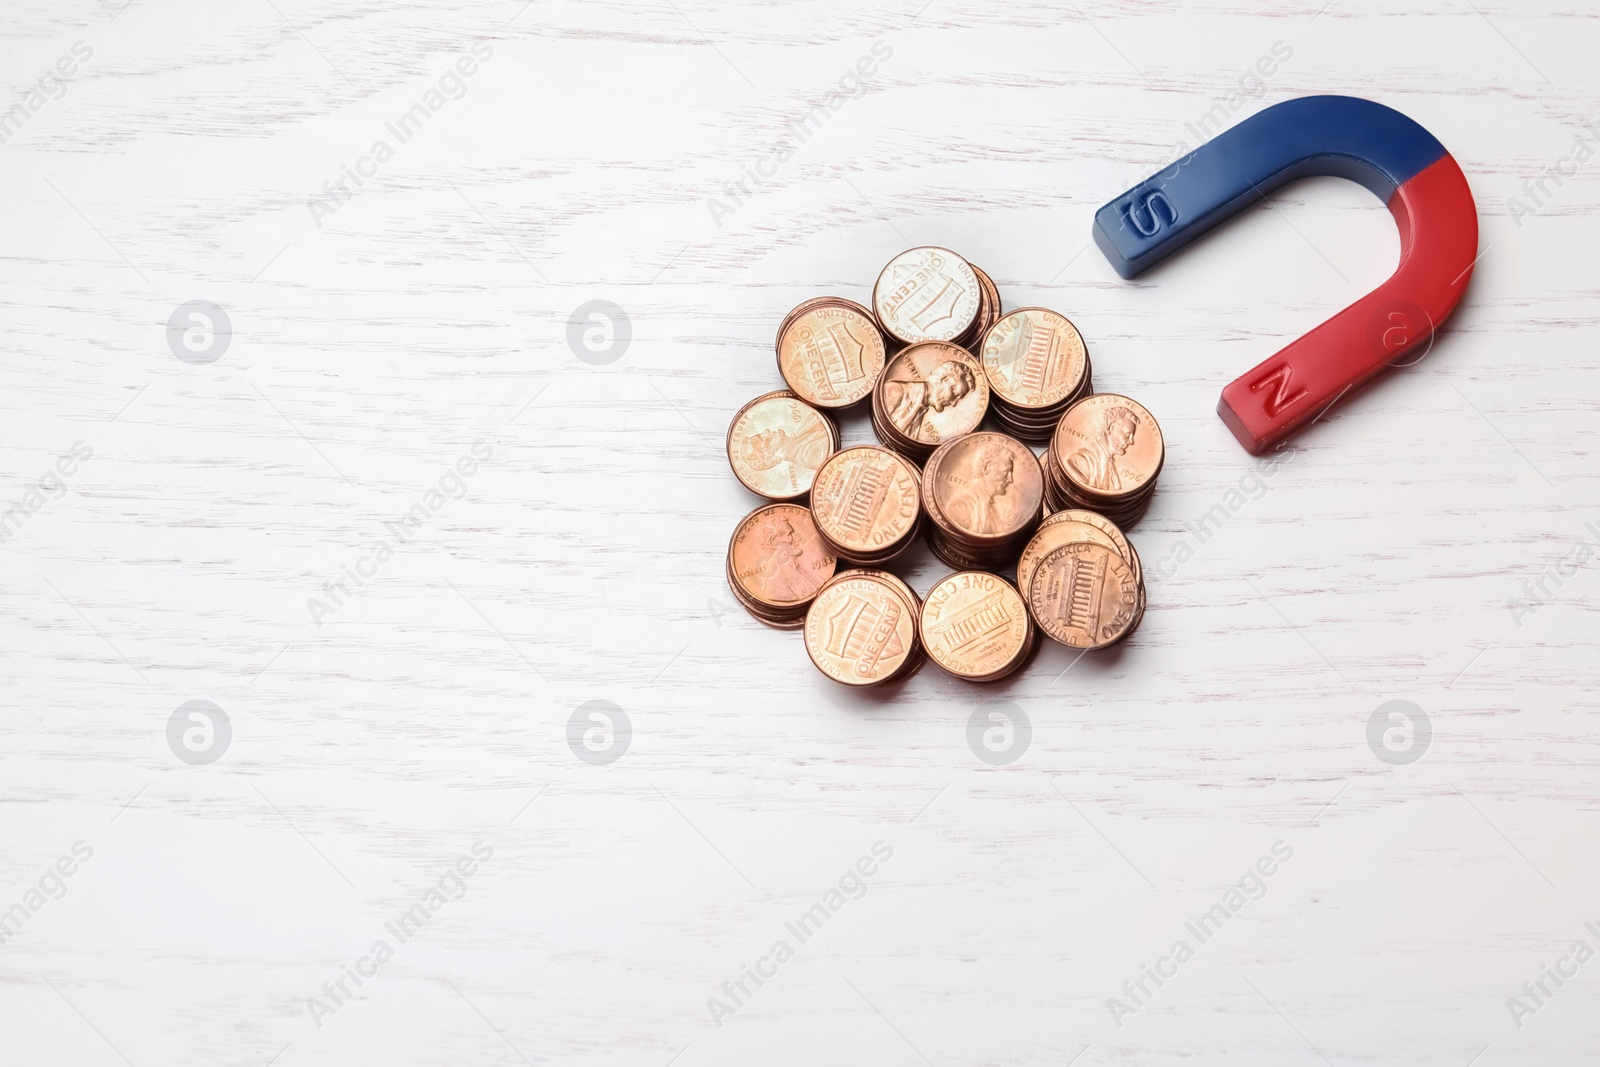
(1282, 393)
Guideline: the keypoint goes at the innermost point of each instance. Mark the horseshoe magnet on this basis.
(1341, 136)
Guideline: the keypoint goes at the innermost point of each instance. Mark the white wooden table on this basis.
(401, 349)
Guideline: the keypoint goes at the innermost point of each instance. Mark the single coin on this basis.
(1083, 595)
(926, 294)
(975, 625)
(777, 558)
(986, 485)
(1108, 445)
(831, 354)
(859, 630)
(1034, 357)
(865, 500)
(777, 442)
(932, 392)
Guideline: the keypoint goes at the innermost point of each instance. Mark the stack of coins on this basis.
(982, 494)
(932, 294)
(975, 626)
(1038, 367)
(1083, 580)
(936, 354)
(777, 564)
(862, 629)
(928, 393)
(1104, 457)
(867, 504)
(777, 442)
(830, 351)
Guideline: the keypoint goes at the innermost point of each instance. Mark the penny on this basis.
(1034, 358)
(975, 626)
(929, 393)
(777, 562)
(831, 354)
(1065, 527)
(776, 443)
(985, 485)
(1083, 594)
(982, 495)
(1108, 446)
(926, 294)
(1104, 457)
(860, 630)
(866, 502)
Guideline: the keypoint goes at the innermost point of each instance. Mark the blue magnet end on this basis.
(1342, 136)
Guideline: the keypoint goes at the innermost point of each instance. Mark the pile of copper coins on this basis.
(958, 390)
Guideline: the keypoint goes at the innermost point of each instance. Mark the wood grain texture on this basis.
(374, 346)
